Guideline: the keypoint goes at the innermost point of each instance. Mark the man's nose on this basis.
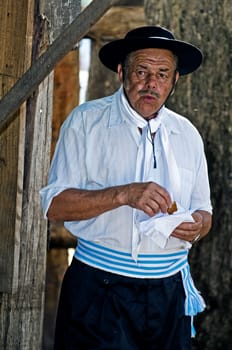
(151, 81)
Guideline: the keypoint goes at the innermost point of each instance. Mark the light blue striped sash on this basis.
(147, 266)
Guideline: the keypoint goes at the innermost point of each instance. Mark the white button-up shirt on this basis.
(98, 147)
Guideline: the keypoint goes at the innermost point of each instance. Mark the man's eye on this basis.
(163, 75)
(141, 74)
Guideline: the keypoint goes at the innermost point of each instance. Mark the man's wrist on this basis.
(121, 195)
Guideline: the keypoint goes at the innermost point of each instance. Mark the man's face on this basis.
(149, 78)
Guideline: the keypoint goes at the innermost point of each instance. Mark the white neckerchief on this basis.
(161, 225)
(145, 154)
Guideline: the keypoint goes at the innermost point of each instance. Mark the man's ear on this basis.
(175, 80)
(177, 77)
(120, 72)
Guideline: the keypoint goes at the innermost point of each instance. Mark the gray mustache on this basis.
(149, 92)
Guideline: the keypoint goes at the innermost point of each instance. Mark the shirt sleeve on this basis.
(66, 164)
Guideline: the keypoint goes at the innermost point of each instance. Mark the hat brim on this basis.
(189, 56)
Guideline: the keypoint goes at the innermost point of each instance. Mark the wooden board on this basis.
(14, 29)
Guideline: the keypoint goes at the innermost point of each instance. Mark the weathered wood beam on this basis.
(28, 83)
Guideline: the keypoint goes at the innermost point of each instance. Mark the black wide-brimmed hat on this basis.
(113, 53)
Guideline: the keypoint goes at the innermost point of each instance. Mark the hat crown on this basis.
(150, 32)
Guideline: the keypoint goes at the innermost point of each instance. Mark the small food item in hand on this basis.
(173, 208)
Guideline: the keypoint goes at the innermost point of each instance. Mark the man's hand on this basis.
(190, 231)
(148, 197)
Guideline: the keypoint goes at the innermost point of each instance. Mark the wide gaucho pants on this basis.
(101, 310)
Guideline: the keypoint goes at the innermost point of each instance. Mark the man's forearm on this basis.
(76, 204)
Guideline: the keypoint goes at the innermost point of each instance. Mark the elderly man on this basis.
(129, 179)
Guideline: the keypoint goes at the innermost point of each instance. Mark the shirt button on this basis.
(106, 281)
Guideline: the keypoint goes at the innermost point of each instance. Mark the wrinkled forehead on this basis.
(152, 57)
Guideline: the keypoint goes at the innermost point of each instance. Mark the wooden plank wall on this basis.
(24, 161)
(16, 28)
(22, 171)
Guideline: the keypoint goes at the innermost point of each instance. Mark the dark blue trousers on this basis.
(100, 310)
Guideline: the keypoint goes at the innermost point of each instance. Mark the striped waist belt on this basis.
(147, 266)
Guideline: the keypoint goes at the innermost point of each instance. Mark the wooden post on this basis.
(22, 171)
(16, 27)
(24, 162)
